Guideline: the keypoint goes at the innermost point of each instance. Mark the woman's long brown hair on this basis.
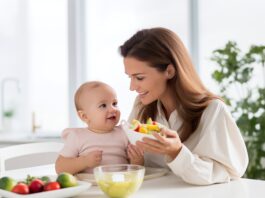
(160, 47)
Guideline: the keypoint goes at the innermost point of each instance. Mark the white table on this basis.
(167, 186)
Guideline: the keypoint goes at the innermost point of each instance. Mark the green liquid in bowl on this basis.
(120, 184)
(119, 189)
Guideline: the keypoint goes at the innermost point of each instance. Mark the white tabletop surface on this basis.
(167, 186)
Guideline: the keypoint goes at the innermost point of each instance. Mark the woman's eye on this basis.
(139, 77)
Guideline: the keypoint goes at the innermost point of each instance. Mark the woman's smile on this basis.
(142, 94)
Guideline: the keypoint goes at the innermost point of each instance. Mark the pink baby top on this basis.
(80, 141)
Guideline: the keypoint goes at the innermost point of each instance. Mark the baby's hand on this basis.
(93, 158)
(135, 154)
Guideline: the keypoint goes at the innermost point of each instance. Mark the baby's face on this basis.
(100, 105)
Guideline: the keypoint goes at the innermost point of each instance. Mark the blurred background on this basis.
(49, 47)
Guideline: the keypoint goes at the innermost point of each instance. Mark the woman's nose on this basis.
(132, 86)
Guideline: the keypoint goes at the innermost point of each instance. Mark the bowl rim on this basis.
(140, 167)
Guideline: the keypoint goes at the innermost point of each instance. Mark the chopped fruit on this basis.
(137, 129)
(149, 121)
(134, 121)
(148, 128)
(143, 129)
(135, 125)
(152, 127)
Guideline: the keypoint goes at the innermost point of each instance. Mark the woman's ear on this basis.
(82, 115)
(170, 71)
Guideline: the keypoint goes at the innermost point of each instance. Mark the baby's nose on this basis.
(113, 109)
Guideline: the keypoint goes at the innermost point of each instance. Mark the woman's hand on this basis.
(169, 144)
(135, 154)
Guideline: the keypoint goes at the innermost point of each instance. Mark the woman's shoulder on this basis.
(215, 109)
(216, 117)
(216, 105)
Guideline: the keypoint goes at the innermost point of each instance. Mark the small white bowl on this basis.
(132, 135)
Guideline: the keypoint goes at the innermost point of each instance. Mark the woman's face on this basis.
(148, 82)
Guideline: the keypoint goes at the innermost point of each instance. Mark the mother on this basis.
(203, 144)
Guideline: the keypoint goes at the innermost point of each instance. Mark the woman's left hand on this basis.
(169, 144)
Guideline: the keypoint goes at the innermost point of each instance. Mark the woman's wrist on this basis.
(174, 154)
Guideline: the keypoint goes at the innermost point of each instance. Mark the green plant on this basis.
(245, 94)
(9, 113)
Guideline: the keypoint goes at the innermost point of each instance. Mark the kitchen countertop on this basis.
(20, 138)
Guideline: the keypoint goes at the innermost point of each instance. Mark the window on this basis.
(110, 23)
(222, 21)
(48, 71)
(34, 53)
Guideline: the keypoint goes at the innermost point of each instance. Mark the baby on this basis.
(102, 142)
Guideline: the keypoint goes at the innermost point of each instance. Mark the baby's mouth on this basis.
(112, 118)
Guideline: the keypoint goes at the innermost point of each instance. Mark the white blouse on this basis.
(214, 153)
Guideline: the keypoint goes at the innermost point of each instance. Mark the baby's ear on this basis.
(82, 115)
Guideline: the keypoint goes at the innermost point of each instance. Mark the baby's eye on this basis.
(102, 106)
(115, 104)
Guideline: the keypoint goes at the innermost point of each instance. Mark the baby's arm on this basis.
(75, 165)
(135, 154)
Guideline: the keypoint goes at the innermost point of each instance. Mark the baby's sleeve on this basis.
(123, 135)
(70, 140)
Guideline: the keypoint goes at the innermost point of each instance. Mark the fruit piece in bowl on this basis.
(148, 128)
(137, 130)
(119, 181)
